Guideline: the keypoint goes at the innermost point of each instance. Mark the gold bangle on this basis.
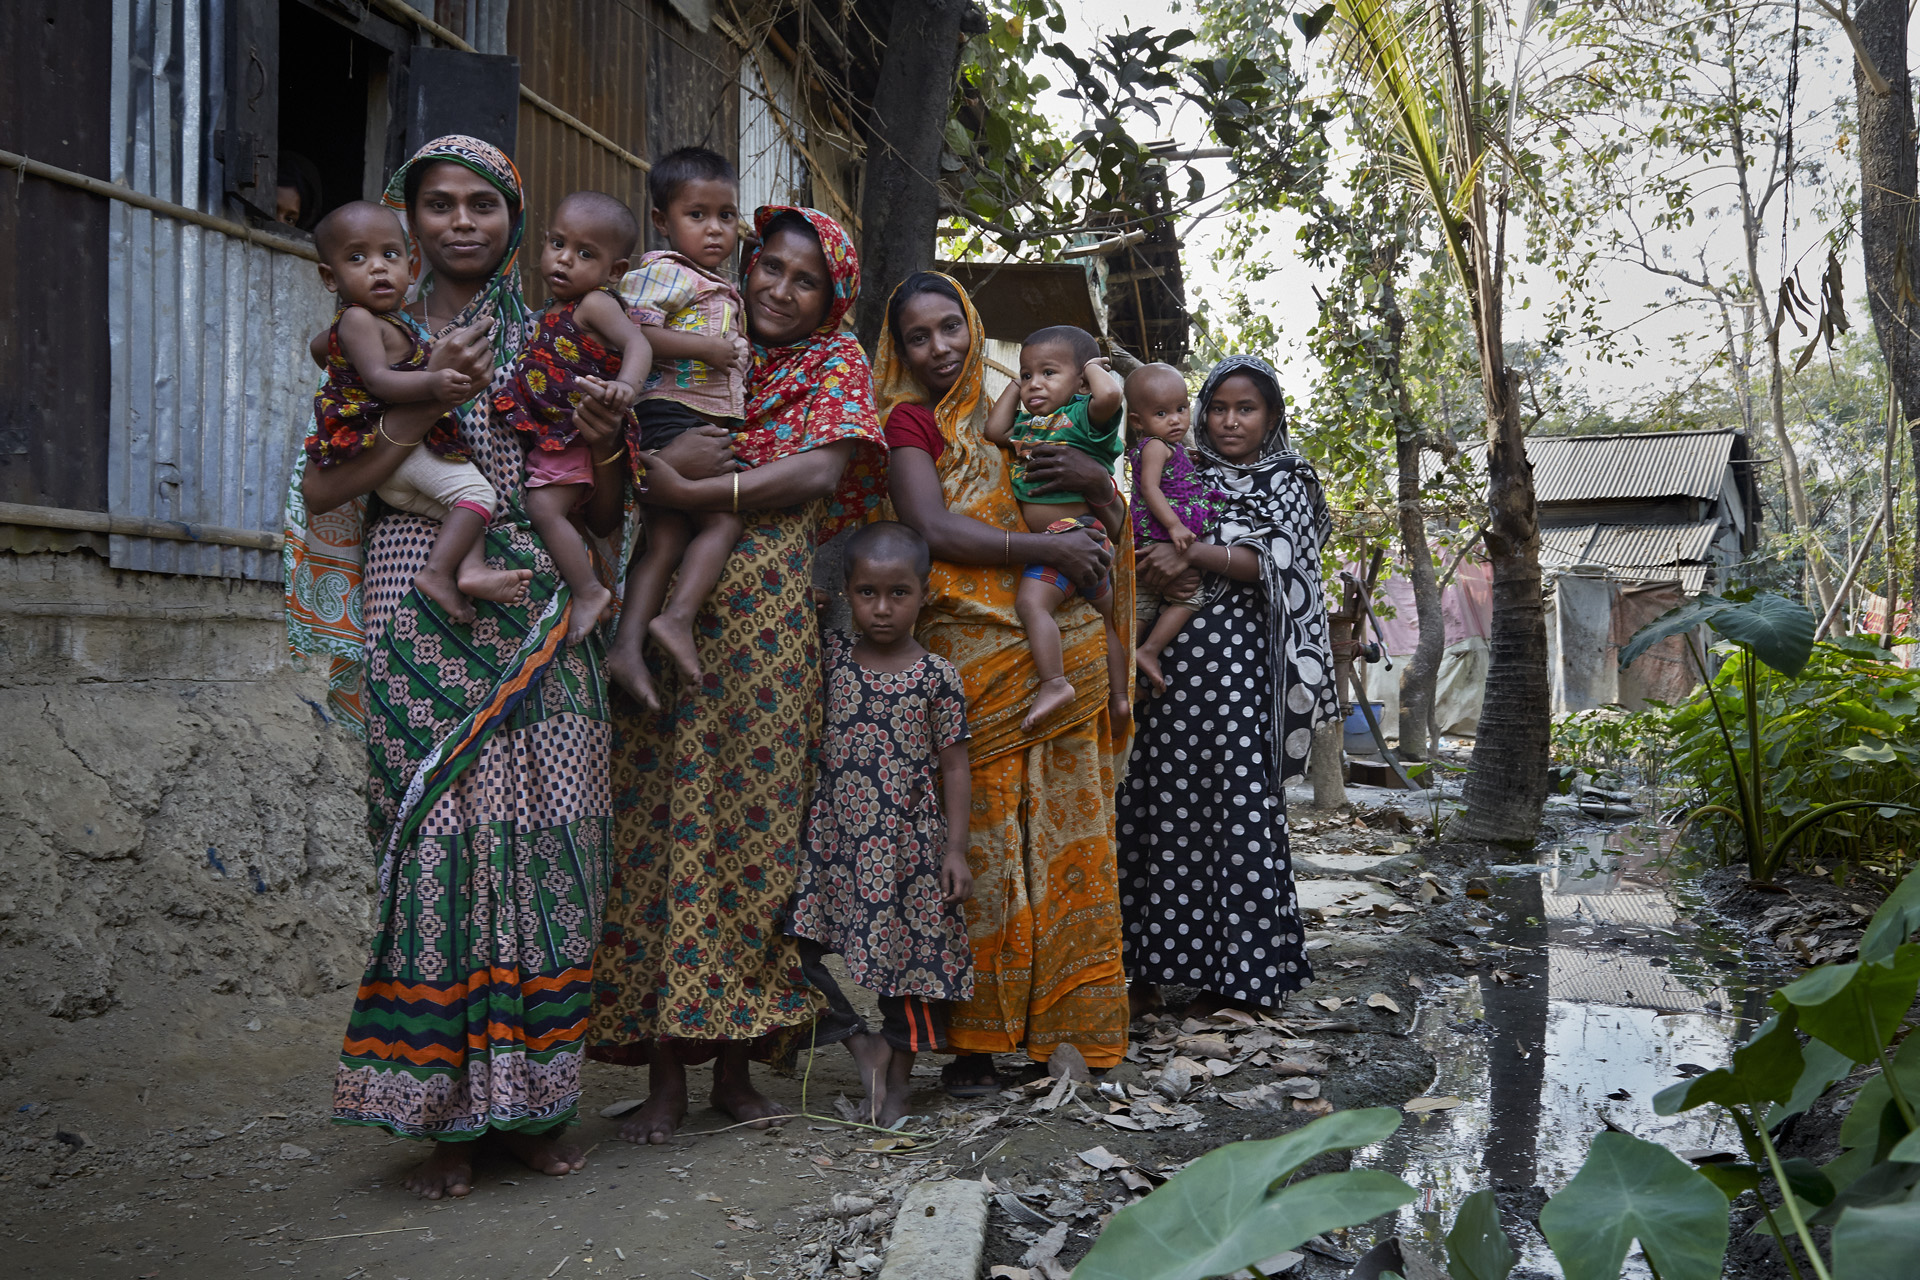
(1006, 548)
(380, 429)
(615, 458)
(736, 493)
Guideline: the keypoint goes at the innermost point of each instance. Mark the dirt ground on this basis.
(170, 1138)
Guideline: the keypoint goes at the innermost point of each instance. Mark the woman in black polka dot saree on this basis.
(1206, 877)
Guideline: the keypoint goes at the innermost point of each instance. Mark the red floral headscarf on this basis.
(819, 390)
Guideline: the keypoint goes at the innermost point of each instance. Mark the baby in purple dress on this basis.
(1170, 501)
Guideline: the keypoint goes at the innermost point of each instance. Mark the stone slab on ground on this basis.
(1355, 864)
(1318, 895)
(939, 1233)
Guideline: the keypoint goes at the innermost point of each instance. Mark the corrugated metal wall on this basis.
(771, 170)
(211, 384)
(588, 58)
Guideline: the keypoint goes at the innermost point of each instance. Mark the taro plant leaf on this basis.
(1889, 1182)
(1765, 1069)
(1861, 1128)
(1630, 1189)
(1732, 1179)
(1779, 631)
(1878, 1243)
(1230, 1208)
(1807, 1181)
(1685, 618)
(1824, 1065)
(1894, 922)
(1907, 1150)
(1477, 1248)
(1856, 1007)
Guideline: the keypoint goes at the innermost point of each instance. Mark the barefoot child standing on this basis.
(1170, 503)
(586, 346)
(694, 320)
(885, 869)
(376, 356)
(1065, 394)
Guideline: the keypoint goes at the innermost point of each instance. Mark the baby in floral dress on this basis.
(886, 869)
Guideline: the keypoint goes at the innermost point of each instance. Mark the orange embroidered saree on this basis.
(1044, 922)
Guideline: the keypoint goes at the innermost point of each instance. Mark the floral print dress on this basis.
(870, 882)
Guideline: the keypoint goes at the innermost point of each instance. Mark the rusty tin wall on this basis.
(210, 382)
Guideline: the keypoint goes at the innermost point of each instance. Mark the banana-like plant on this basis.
(1422, 66)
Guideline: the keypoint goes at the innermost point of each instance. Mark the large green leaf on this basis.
(1880, 1243)
(1229, 1208)
(1861, 1128)
(1477, 1247)
(1764, 1069)
(1824, 1065)
(1630, 1189)
(1895, 921)
(1856, 1007)
(1779, 631)
(1672, 623)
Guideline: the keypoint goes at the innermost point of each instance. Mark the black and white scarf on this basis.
(1274, 506)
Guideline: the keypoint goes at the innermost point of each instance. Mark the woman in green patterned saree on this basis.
(486, 742)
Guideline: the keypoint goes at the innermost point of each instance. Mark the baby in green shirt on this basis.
(1065, 395)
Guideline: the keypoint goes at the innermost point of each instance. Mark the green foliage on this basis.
(1842, 731)
(1477, 1247)
(1632, 1189)
(1234, 1206)
(1616, 746)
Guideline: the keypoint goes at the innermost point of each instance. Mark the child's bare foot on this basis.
(549, 1153)
(589, 607)
(659, 1117)
(872, 1054)
(675, 636)
(1120, 711)
(1149, 664)
(1052, 695)
(438, 586)
(447, 1172)
(897, 1105)
(502, 586)
(629, 670)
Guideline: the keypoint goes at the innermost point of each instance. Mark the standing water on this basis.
(1597, 988)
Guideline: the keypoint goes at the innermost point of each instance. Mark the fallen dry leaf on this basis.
(708, 1195)
(1417, 982)
(1331, 1004)
(823, 1161)
(1350, 964)
(1199, 1047)
(1124, 1122)
(1217, 1067)
(1003, 1272)
(892, 1144)
(1100, 1158)
(1313, 1106)
(1136, 1181)
(1419, 1105)
(1381, 1000)
(1503, 976)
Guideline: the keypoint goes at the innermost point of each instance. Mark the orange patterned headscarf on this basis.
(819, 390)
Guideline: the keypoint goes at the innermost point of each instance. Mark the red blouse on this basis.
(912, 426)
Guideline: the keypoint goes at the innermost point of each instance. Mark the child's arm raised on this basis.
(607, 320)
(1153, 464)
(1000, 418)
(363, 340)
(1105, 388)
(956, 878)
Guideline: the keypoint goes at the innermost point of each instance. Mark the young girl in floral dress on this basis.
(885, 869)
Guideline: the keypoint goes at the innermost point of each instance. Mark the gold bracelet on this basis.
(1006, 548)
(736, 493)
(604, 462)
(380, 429)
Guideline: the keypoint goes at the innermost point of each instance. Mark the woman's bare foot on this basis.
(628, 669)
(873, 1055)
(659, 1117)
(447, 1172)
(1149, 664)
(589, 607)
(733, 1090)
(1052, 695)
(1143, 998)
(675, 637)
(549, 1153)
(502, 586)
(438, 586)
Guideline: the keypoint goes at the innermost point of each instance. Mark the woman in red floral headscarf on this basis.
(708, 792)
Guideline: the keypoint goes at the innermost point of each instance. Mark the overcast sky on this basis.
(1629, 293)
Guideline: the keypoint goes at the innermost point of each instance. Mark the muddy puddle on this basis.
(1598, 986)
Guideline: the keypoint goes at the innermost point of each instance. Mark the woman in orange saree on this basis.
(1044, 922)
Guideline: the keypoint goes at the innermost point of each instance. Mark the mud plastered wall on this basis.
(179, 822)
